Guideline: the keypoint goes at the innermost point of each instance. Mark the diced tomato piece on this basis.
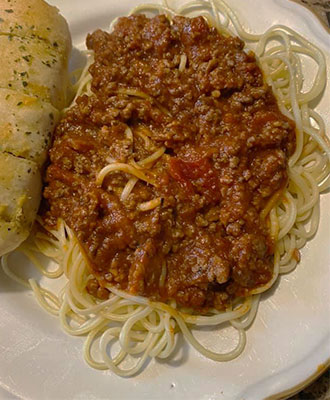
(196, 174)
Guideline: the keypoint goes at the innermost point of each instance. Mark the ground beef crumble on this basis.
(227, 146)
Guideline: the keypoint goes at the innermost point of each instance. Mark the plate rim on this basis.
(321, 369)
(315, 15)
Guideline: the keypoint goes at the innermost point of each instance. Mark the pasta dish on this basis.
(183, 179)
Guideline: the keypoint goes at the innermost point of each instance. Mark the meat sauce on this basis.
(227, 145)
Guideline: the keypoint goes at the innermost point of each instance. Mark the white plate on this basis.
(287, 343)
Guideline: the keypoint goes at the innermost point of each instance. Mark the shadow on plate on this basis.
(21, 267)
(179, 355)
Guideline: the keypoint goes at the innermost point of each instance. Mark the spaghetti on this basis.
(144, 328)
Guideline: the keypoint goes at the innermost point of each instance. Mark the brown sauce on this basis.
(227, 146)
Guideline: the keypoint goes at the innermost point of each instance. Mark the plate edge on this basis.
(321, 369)
(324, 25)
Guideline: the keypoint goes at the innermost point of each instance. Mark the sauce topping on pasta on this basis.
(164, 171)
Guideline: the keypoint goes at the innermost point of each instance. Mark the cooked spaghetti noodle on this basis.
(147, 329)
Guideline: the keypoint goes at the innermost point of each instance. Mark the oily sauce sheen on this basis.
(227, 146)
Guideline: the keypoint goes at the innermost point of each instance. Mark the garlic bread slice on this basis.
(35, 18)
(20, 193)
(26, 125)
(31, 66)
